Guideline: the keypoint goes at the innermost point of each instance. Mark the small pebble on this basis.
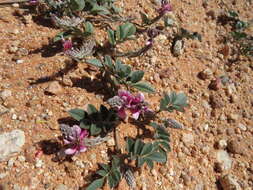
(61, 187)
(39, 163)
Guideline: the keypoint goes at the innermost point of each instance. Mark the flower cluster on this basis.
(166, 7)
(125, 102)
(75, 140)
(67, 45)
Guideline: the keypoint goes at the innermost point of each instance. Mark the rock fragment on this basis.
(224, 162)
(229, 182)
(11, 143)
(54, 88)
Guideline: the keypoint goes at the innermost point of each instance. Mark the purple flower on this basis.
(67, 45)
(33, 2)
(166, 7)
(75, 140)
(126, 102)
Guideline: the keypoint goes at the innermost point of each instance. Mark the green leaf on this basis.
(232, 13)
(83, 125)
(102, 173)
(96, 184)
(88, 27)
(144, 87)
(77, 5)
(154, 125)
(95, 62)
(172, 124)
(166, 145)
(105, 167)
(149, 163)
(125, 70)
(138, 146)
(140, 161)
(111, 37)
(108, 62)
(122, 70)
(77, 114)
(130, 143)
(173, 101)
(158, 157)
(146, 149)
(62, 35)
(91, 109)
(94, 130)
(125, 31)
(238, 35)
(115, 162)
(136, 76)
(114, 178)
(96, 9)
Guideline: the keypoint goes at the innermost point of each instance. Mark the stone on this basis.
(3, 175)
(111, 142)
(39, 163)
(233, 117)
(205, 127)
(61, 187)
(224, 162)
(54, 88)
(206, 74)
(178, 47)
(16, 187)
(215, 84)
(3, 110)
(14, 117)
(229, 182)
(242, 127)
(231, 89)
(11, 143)
(216, 101)
(10, 162)
(205, 149)
(5, 94)
(222, 144)
(20, 61)
(187, 138)
(199, 186)
(236, 147)
(186, 178)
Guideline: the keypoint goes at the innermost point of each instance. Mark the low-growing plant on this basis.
(239, 37)
(78, 20)
(138, 152)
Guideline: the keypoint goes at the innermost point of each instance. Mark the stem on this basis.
(133, 53)
(116, 140)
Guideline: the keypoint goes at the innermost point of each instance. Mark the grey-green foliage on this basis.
(96, 121)
(71, 7)
(110, 173)
(123, 74)
(244, 40)
(173, 101)
(162, 136)
(145, 152)
(122, 33)
(84, 31)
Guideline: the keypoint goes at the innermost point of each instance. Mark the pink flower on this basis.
(67, 45)
(33, 2)
(166, 7)
(125, 102)
(75, 140)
